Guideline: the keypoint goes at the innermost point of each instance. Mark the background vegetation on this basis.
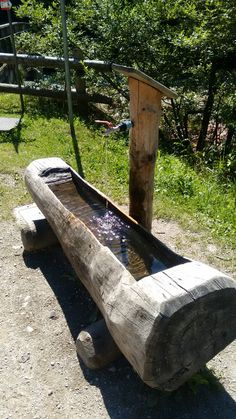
(188, 46)
(199, 199)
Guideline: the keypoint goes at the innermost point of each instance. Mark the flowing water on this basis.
(132, 249)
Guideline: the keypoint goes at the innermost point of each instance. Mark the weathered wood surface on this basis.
(136, 74)
(57, 94)
(36, 233)
(145, 112)
(96, 347)
(53, 62)
(168, 325)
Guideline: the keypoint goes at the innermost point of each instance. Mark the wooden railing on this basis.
(18, 27)
(78, 94)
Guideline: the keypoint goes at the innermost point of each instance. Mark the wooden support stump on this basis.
(36, 233)
(168, 324)
(96, 347)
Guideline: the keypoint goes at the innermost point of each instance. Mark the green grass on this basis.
(196, 199)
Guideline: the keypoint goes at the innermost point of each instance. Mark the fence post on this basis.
(80, 83)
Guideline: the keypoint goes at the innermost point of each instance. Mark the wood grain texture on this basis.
(136, 74)
(168, 325)
(145, 112)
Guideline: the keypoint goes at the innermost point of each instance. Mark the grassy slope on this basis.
(180, 193)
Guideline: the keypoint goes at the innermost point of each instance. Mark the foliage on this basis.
(189, 46)
(181, 192)
(212, 202)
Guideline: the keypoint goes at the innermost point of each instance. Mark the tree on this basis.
(189, 46)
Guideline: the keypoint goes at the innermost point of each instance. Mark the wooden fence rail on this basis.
(17, 27)
(54, 62)
(78, 94)
(56, 93)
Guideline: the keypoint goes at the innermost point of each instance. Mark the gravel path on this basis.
(42, 309)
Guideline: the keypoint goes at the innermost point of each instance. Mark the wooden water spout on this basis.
(145, 113)
(169, 316)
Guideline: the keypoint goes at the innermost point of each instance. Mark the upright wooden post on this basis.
(80, 83)
(145, 113)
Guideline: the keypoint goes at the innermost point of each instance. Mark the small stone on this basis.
(53, 315)
(29, 329)
(52, 363)
(24, 358)
(16, 247)
(50, 392)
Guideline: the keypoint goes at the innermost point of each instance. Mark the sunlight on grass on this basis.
(181, 193)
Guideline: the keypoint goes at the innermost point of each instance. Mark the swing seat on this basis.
(8, 124)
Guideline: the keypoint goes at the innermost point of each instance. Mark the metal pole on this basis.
(68, 88)
(67, 67)
(15, 59)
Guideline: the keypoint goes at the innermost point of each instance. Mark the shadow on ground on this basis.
(124, 394)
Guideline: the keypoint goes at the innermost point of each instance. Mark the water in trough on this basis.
(131, 248)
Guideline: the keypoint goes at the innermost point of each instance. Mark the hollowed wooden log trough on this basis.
(169, 316)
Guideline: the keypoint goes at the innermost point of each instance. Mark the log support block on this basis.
(36, 233)
(96, 347)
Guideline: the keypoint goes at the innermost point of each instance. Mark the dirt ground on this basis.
(42, 309)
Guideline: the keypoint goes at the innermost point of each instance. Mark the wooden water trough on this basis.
(168, 315)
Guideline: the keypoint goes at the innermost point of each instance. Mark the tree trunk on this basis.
(229, 140)
(208, 109)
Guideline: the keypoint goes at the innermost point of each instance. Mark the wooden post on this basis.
(145, 111)
(80, 82)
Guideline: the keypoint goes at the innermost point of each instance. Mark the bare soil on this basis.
(43, 307)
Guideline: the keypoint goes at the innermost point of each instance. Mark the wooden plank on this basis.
(165, 330)
(139, 75)
(145, 112)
